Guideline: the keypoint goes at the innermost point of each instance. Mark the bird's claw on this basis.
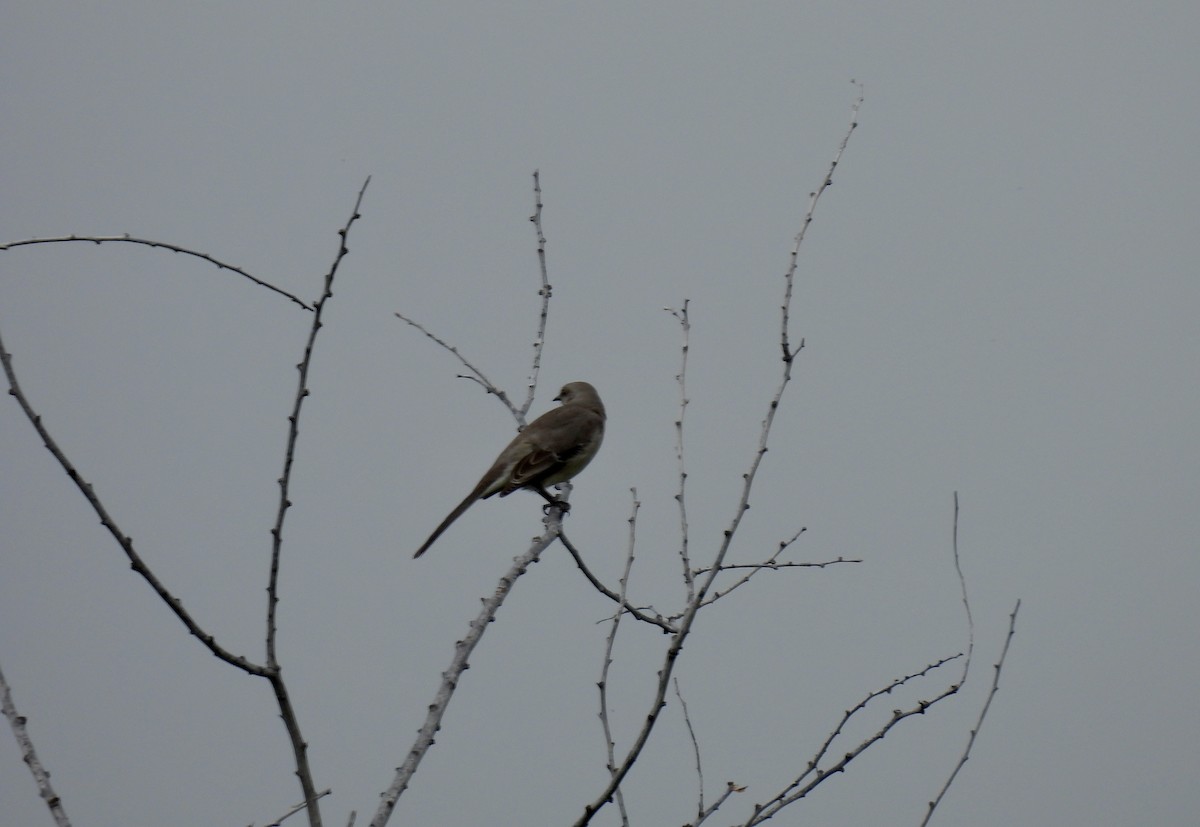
(562, 504)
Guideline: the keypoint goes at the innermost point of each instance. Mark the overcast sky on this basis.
(998, 296)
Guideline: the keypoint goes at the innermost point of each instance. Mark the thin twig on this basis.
(610, 642)
(29, 755)
(685, 328)
(295, 810)
(795, 791)
(654, 619)
(966, 753)
(100, 239)
(687, 720)
(476, 376)
(962, 582)
(293, 433)
(544, 291)
(997, 667)
(730, 789)
(814, 197)
(771, 563)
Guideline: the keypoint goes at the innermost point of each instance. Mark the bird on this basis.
(552, 449)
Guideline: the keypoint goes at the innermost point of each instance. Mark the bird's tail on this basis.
(454, 515)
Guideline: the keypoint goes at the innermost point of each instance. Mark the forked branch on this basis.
(705, 585)
(271, 669)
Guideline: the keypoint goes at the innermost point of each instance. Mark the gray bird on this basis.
(552, 449)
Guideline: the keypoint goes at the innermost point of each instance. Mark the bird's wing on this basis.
(551, 443)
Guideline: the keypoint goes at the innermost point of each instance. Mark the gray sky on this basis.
(998, 296)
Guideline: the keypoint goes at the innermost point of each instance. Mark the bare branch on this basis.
(544, 291)
(798, 789)
(688, 618)
(997, 667)
(685, 328)
(962, 583)
(610, 642)
(730, 789)
(458, 664)
(295, 810)
(770, 563)
(294, 429)
(664, 677)
(123, 540)
(655, 619)
(687, 720)
(795, 791)
(270, 670)
(477, 375)
(286, 711)
(100, 239)
(40, 776)
(814, 197)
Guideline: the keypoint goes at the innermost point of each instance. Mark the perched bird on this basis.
(552, 449)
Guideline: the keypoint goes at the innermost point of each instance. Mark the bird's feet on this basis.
(562, 504)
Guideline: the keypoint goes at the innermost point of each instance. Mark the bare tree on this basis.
(706, 576)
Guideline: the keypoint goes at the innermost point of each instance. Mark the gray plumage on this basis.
(552, 449)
